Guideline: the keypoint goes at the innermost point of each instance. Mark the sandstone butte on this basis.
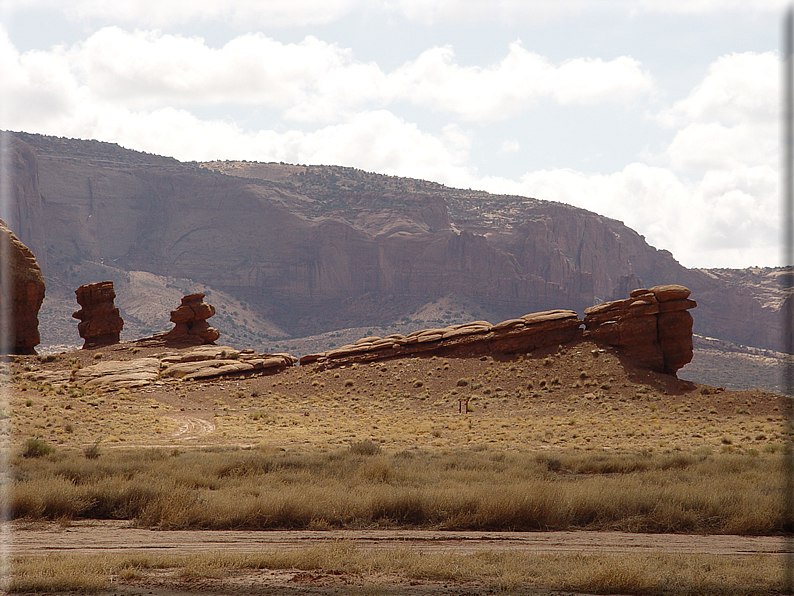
(21, 298)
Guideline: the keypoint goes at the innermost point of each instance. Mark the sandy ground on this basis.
(117, 536)
(100, 538)
(576, 398)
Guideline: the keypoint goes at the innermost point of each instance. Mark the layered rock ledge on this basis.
(514, 336)
(215, 361)
(652, 326)
(203, 362)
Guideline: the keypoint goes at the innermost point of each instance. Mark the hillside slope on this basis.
(313, 249)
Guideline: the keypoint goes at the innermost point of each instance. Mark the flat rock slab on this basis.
(204, 353)
(120, 373)
(202, 369)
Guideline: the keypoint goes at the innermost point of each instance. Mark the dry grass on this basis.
(466, 489)
(496, 570)
(556, 440)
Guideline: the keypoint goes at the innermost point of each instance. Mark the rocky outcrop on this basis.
(190, 322)
(203, 362)
(652, 326)
(138, 372)
(21, 293)
(514, 336)
(100, 321)
(207, 362)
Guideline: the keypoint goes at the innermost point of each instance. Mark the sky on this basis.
(662, 114)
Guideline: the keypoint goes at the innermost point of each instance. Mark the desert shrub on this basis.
(36, 448)
(92, 451)
(365, 447)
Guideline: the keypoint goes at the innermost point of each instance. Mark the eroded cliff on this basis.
(317, 248)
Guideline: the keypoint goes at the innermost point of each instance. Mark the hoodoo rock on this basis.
(190, 322)
(100, 321)
(652, 326)
(21, 299)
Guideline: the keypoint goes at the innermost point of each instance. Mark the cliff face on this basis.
(318, 248)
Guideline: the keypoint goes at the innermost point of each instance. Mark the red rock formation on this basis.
(100, 322)
(315, 247)
(190, 322)
(513, 336)
(21, 299)
(651, 326)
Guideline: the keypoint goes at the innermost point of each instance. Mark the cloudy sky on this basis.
(660, 113)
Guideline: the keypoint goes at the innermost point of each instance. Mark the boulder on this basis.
(190, 322)
(21, 294)
(100, 322)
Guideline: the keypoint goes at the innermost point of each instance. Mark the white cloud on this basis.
(428, 12)
(374, 141)
(727, 142)
(37, 86)
(703, 147)
(588, 81)
(518, 82)
(727, 219)
(739, 87)
(314, 81)
(510, 146)
(150, 69)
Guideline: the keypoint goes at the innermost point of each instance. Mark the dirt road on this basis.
(92, 537)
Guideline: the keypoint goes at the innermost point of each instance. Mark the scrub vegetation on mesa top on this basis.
(366, 487)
